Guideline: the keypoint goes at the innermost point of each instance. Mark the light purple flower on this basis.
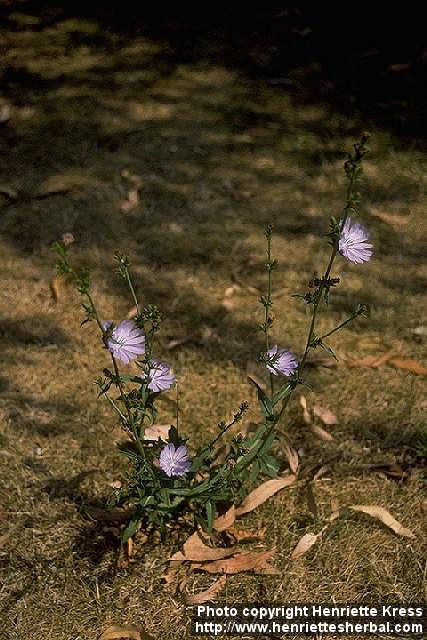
(107, 325)
(175, 461)
(160, 376)
(126, 341)
(281, 361)
(354, 242)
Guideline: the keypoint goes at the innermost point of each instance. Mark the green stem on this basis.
(132, 290)
(268, 307)
(224, 429)
(96, 316)
(324, 280)
(340, 326)
(127, 420)
(116, 408)
(316, 305)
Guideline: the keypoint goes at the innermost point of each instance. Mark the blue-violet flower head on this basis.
(126, 341)
(281, 361)
(175, 461)
(354, 242)
(160, 377)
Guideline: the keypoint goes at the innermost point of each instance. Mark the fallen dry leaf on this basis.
(391, 218)
(56, 287)
(177, 342)
(225, 521)
(263, 492)
(321, 433)
(197, 551)
(240, 562)
(62, 183)
(326, 416)
(230, 291)
(385, 517)
(124, 559)
(369, 362)
(228, 304)
(307, 541)
(131, 201)
(130, 548)
(209, 594)
(292, 457)
(126, 631)
(407, 363)
(245, 535)
(157, 431)
(305, 412)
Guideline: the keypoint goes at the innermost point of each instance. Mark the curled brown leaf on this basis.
(305, 544)
(208, 595)
(385, 517)
(326, 416)
(263, 492)
(225, 521)
(197, 551)
(240, 563)
(125, 631)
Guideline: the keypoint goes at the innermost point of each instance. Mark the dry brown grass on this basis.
(218, 156)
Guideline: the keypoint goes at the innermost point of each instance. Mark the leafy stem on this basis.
(353, 170)
(359, 311)
(266, 300)
(224, 427)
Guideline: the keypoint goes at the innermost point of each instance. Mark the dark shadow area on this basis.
(39, 417)
(371, 63)
(90, 84)
(37, 331)
(93, 543)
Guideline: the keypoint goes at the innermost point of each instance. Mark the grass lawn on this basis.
(214, 155)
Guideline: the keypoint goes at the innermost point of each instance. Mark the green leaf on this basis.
(147, 501)
(269, 466)
(126, 378)
(281, 394)
(265, 448)
(328, 349)
(131, 529)
(210, 513)
(253, 475)
(263, 399)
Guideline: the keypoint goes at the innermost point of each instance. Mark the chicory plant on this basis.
(168, 480)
